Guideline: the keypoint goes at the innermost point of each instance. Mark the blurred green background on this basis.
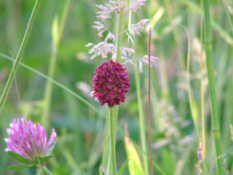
(81, 129)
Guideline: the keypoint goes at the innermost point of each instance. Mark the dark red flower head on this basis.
(110, 83)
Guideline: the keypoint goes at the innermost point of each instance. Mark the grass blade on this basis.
(19, 55)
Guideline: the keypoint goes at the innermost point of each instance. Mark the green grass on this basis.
(184, 37)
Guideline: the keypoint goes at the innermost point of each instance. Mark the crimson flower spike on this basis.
(110, 83)
(149, 110)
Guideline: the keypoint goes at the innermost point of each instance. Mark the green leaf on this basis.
(135, 166)
(42, 159)
(122, 169)
(19, 157)
(17, 167)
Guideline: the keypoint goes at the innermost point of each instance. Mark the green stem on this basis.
(203, 141)
(19, 54)
(38, 171)
(118, 37)
(112, 130)
(140, 107)
(141, 118)
(114, 110)
(106, 149)
(49, 85)
(213, 98)
(46, 170)
(48, 90)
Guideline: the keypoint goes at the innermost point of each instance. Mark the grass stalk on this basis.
(203, 134)
(48, 90)
(149, 106)
(49, 84)
(112, 131)
(141, 117)
(213, 98)
(140, 108)
(118, 35)
(19, 54)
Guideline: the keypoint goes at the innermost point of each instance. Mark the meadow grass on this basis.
(49, 78)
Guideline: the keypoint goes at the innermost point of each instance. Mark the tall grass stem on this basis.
(213, 98)
(19, 54)
(149, 106)
(118, 35)
(140, 106)
(52, 65)
(203, 141)
(141, 117)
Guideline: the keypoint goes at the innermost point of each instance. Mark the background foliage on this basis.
(81, 129)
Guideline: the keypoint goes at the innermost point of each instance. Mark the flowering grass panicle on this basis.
(28, 139)
(224, 164)
(108, 46)
(110, 83)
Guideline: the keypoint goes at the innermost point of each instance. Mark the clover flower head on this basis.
(28, 139)
(110, 83)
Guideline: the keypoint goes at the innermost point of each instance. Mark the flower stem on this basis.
(19, 54)
(38, 171)
(112, 130)
(213, 98)
(114, 110)
(46, 170)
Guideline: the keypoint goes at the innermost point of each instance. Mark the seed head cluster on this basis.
(108, 47)
(110, 83)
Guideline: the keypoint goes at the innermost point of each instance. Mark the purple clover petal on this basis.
(51, 140)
